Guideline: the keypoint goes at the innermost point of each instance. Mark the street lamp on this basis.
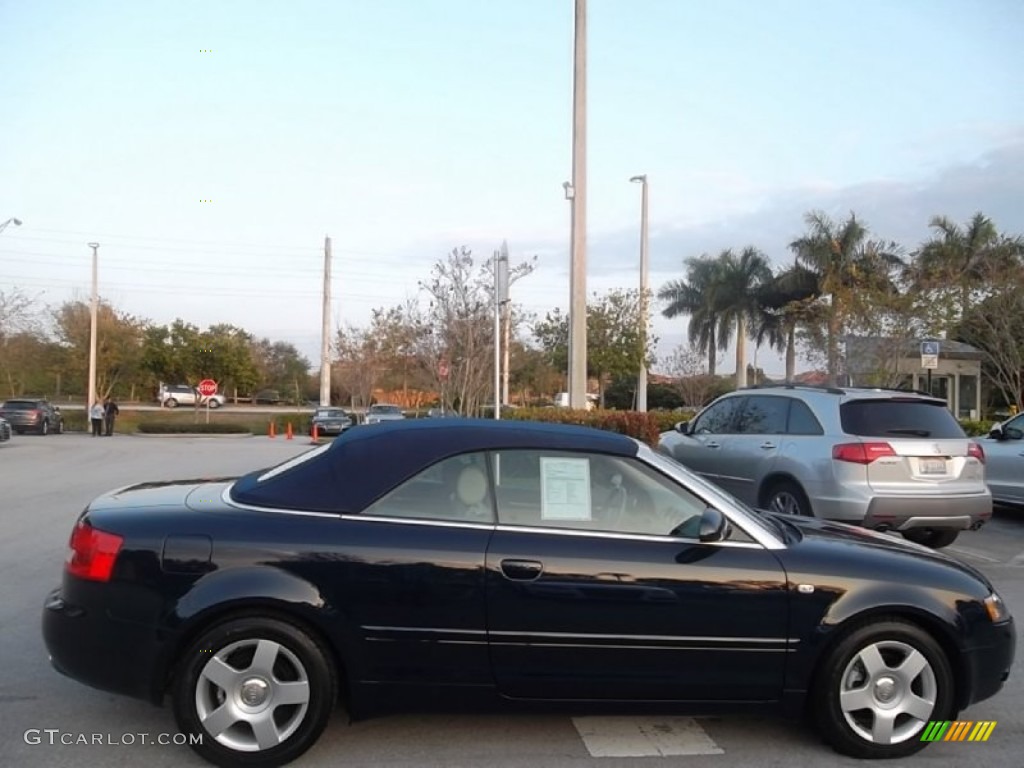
(578, 239)
(12, 220)
(92, 330)
(641, 379)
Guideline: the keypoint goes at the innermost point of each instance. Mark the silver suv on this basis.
(883, 459)
(173, 395)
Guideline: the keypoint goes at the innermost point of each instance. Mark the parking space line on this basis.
(975, 554)
(644, 737)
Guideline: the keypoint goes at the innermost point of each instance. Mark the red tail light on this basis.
(975, 450)
(93, 553)
(861, 453)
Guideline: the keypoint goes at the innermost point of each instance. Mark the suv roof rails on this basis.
(791, 385)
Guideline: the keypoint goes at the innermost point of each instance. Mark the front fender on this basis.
(927, 608)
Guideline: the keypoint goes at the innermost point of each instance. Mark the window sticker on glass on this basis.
(565, 489)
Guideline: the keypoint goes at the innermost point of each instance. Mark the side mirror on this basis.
(714, 526)
(683, 427)
(56, 409)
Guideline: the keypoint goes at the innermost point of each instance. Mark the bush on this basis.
(182, 428)
(976, 428)
(643, 426)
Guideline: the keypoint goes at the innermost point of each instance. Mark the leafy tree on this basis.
(783, 304)
(119, 339)
(686, 366)
(845, 262)
(739, 280)
(696, 296)
(955, 266)
(615, 339)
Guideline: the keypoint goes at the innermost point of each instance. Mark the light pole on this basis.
(641, 379)
(92, 330)
(578, 263)
(12, 220)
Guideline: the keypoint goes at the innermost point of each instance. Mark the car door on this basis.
(589, 596)
(1004, 463)
(413, 591)
(708, 435)
(749, 454)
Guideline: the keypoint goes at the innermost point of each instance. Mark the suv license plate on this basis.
(933, 466)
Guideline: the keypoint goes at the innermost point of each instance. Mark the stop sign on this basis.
(207, 388)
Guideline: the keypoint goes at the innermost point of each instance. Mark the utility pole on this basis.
(507, 335)
(93, 310)
(500, 299)
(641, 379)
(325, 330)
(578, 265)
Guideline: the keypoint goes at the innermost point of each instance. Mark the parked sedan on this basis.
(1004, 449)
(434, 558)
(330, 421)
(384, 412)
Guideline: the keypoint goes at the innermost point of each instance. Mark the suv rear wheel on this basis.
(936, 538)
(788, 498)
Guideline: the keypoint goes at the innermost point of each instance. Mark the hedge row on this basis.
(183, 428)
(643, 426)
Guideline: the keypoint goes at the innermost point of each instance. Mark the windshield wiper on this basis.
(907, 431)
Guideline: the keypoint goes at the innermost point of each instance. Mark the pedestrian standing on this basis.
(96, 416)
(110, 412)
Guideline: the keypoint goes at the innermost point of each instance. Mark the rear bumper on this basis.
(904, 513)
(92, 648)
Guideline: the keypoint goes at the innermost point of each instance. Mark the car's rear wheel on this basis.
(879, 688)
(170, 402)
(258, 691)
(936, 538)
(44, 428)
(214, 403)
(60, 427)
(788, 498)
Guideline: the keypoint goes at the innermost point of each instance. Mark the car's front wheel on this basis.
(879, 687)
(44, 428)
(258, 691)
(936, 538)
(170, 402)
(214, 403)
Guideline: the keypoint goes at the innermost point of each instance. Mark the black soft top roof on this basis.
(368, 461)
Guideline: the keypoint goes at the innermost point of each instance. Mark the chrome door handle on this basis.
(767, 445)
(521, 570)
(712, 444)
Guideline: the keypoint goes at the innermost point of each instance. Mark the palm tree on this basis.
(696, 296)
(740, 278)
(964, 258)
(785, 301)
(844, 262)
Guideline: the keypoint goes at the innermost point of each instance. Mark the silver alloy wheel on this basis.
(252, 695)
(888, 692)
(785, 503)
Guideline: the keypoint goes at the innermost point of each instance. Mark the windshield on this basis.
(899, 417)
(385, 409)
(752, 518)
(19, 405)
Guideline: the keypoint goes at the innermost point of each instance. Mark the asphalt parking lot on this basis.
(45, 483)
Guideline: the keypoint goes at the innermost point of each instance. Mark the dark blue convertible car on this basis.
(513, 562)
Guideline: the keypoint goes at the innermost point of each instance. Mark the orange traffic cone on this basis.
(288, 432)
(316, 435)
(272, 430)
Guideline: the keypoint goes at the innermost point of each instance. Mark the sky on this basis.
(209, 147)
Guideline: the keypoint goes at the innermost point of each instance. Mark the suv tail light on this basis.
(974, 449)
(861, 453)
(93, 552)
